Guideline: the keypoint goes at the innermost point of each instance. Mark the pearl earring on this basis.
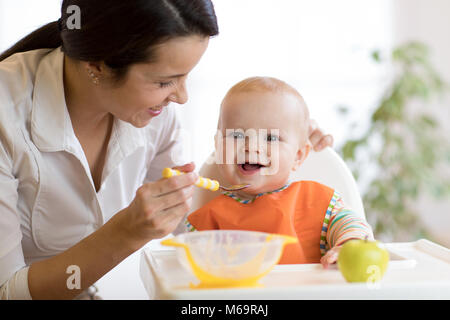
(95, 79)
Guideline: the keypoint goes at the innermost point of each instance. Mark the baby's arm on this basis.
(344, 225)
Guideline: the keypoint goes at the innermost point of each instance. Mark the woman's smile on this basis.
(154, 111)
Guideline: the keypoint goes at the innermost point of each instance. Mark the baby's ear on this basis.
(301, 156)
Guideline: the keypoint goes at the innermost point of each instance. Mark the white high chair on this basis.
(326, 167)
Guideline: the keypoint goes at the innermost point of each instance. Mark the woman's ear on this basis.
(301, 156)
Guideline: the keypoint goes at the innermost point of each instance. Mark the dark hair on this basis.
(120, 32)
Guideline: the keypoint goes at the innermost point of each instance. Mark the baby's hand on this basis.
(319, 140)
(330, 257)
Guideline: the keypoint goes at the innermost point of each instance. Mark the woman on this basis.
(85, 130)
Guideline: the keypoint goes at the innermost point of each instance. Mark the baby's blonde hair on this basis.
(263, 84)
(270, 84)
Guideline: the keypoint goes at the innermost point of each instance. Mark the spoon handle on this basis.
(201, 182)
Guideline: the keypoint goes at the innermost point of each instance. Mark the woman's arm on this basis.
(13, 276)
(93, 257)
(155, 212)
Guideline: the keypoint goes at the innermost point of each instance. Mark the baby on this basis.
(263, 133)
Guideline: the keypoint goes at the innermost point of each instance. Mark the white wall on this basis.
(320, 47)
(429, 22)
(20, 17)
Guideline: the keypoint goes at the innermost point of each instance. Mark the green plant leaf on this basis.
(409, 146)
(376, 55)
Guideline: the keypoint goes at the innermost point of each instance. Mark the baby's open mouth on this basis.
(250, 168)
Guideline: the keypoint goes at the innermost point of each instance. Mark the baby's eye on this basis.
(237, 135)
(272, 138)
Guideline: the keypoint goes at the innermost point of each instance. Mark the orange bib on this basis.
(298, 211)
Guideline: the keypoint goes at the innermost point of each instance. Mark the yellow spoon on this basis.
(204, 183)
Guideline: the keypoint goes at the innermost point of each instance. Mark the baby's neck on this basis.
(244, 196)
(251, 196)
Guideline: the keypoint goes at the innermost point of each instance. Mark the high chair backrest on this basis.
(326, 167)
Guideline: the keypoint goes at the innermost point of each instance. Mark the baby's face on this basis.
(263, 129)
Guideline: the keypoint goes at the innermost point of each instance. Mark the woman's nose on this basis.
(180, 95)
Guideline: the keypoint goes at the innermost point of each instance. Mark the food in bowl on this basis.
(228, 258)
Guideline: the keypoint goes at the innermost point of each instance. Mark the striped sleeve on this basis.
(344, 225)
(189, 226)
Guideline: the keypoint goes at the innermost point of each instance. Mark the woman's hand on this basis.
(159, 206)
(330, 257)
(318, 139)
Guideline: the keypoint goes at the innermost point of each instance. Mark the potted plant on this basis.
(398, 154)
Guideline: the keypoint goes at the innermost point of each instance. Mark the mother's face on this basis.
(149, 87)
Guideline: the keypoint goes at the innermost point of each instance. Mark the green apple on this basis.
(363, 260)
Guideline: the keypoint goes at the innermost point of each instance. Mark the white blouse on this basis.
(48, 201)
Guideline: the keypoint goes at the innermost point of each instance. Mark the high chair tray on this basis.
(417, 270)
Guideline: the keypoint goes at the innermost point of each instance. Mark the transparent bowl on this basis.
(228, 258)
